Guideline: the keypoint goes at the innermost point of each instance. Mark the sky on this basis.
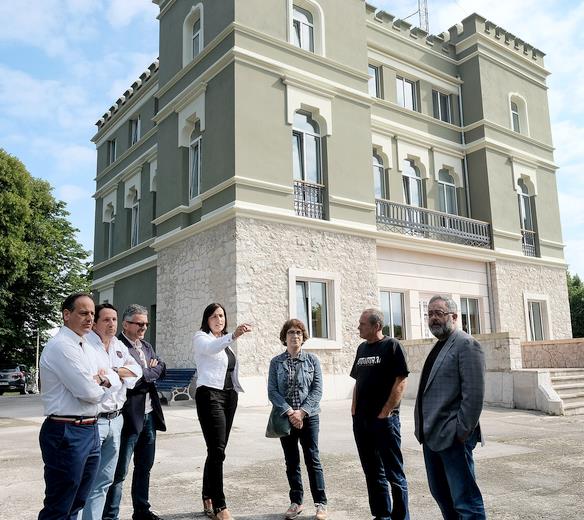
(64, 62)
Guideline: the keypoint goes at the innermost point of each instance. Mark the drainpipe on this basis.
(464, 161)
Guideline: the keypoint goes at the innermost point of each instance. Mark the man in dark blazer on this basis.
(448, 407)
(142, 417)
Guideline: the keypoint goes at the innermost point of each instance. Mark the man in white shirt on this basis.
(72, 389)
(142, 418)
(110, 353)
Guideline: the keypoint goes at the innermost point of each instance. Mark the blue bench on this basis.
(177, 381)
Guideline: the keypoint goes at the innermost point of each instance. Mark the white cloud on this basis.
(71, 193)
(120, 14)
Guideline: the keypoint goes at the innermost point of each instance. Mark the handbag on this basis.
(278, 425)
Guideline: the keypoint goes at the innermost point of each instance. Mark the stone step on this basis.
(568, 386)
(567, 378)
(570, 396)
(575, 407)
(566, 372)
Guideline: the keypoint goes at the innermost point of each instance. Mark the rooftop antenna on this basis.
(423, 12)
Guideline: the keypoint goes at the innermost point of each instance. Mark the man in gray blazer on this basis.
(448, 406)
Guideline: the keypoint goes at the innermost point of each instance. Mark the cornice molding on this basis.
(108, 280)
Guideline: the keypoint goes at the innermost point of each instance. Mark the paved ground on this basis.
(531, 468)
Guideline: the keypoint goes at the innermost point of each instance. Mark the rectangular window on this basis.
(515, 117)
(111, 150)
(392, 305)
(134, 130)
(536, 328)
(312, 306)
(441, 104)
(195, 169)
(406, 93)
(469, 315)
(109, 237)
(374, 81)
(303, 28)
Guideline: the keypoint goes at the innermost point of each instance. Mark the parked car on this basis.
(15, 378)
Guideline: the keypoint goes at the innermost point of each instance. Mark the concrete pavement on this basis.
(532, 466)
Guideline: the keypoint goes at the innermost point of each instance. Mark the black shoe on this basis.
(146, 515)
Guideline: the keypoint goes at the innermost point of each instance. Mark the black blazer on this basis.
(135, 405)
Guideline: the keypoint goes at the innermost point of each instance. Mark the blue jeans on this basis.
(143, 446)
(379, 446)
(71, 456)
(452, 481)
(109, 437)
(308, 437)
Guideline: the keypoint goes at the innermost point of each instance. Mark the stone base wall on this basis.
(553, 354)
(512, 282)
(192, 274)
(265, 253)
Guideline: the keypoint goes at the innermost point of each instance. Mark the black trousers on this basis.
(215, 409)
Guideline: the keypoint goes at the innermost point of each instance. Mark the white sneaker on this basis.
(293, 511)
(320, 512)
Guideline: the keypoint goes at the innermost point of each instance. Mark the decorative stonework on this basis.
(512, 280)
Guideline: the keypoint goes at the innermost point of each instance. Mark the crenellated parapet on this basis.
(144, 78)
(475, 24)
(447, 41)
(407, 30)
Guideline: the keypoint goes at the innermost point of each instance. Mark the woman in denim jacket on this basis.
(295, 389)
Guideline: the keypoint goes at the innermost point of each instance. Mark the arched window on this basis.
(193, 26)
(412, 182)
(306, 25)
(447, 193)
(379, 183)
(135, 220)
(518, 114)
(527, 220)
(306, 149)
(195, 165)
(109, 221)
(303, 25)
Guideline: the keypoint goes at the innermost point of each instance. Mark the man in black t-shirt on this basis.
(380, 372)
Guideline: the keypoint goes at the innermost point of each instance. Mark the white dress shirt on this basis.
(211, 360)
(67, 367)
(138, 346)
(115, 357)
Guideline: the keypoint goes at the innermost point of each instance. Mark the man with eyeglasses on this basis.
(142, 417)
(447, 411)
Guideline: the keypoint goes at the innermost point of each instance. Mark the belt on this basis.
(73, 419)
(109, 415)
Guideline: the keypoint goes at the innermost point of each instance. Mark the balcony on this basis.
(309, 200)
(422, 222)
(528, 242)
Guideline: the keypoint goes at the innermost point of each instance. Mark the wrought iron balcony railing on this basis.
(410, 220)
(309, 199)
(528, 242)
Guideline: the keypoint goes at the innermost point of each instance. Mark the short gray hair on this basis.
(375, 316)
(132, 310)
(450, 303)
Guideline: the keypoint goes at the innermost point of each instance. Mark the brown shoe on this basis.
(320, 512)
(208, 507)
(293, 511)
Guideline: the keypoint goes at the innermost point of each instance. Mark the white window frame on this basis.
(409, 178)
(333, 293)
(374, 82)
(403, 309)
(443, 186)
(109, 219)
(437, 97)
(135, 222)
(400, 83)
(112, 145)
(478, 301)
(543, 301)
(318, 24)
(302, 134)
(196, 46)
(134, 130)
(195, 143)
(518, 116)
(196, 13)
(379, 171)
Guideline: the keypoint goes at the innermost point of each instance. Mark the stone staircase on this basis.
(569, 385)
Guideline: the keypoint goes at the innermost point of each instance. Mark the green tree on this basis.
(576, 297)
(40, 260)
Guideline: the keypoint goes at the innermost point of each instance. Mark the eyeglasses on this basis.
(438, 314)
(294, 332)
(139, 324)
